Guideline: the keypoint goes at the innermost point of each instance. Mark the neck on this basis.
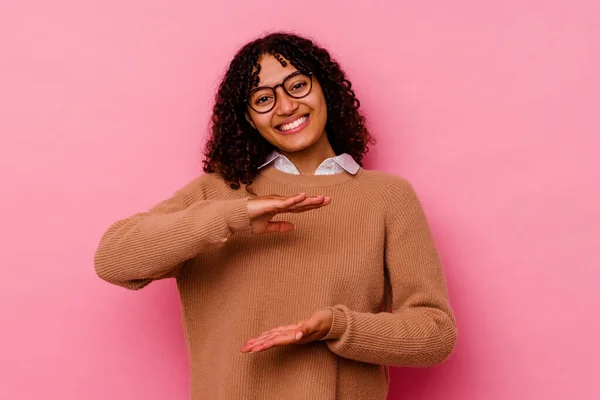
(308, 160)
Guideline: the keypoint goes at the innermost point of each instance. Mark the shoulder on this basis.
(207, 186)
(203, 187)
(392, 191)
(385, 182)
(208, 179)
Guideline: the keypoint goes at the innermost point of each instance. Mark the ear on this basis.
(249, 119)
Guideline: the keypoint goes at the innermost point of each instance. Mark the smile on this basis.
(294, 126)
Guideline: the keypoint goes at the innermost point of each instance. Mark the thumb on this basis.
(306, 328)
(300, 333)
(279, 226)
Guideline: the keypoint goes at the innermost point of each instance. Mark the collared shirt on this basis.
(330, 166)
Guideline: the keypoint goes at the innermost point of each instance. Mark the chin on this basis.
(298, 143)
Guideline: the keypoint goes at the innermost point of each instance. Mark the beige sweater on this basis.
(367, 253)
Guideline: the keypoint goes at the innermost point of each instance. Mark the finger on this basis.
(248, 346)
(291, 334)
(286, 330)
(295, 198)
(273, 331)
(281, 337)
(308, 201)
(292, 203)
(305, 209)
(264, 338)
(310, 204)
(281, 204)
(278, 340)
(300, 199)
(255, 342)
(290, 200)
(289, 330)
(296, 331)
(281, 328)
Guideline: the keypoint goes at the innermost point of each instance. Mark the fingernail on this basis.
(298, 335)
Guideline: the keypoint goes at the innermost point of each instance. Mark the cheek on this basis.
(262, 122)
(320, 106)
(324, 111)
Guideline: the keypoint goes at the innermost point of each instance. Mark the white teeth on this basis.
(294, 124)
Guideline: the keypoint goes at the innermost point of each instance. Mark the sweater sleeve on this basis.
(154, 245)
(420, 328)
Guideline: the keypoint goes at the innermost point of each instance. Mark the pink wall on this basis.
(490, 110)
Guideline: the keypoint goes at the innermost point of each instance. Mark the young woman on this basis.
(301, 274)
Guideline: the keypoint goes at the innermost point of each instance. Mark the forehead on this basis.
(272, 72)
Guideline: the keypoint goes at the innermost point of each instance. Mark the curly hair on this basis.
(235, 149)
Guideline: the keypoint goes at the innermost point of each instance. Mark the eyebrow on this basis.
(287, 76)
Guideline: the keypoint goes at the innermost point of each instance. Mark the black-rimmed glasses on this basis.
(296, 85)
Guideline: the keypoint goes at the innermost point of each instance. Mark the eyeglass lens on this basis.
(296, 86)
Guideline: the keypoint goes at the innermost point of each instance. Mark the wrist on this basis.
(338, 324)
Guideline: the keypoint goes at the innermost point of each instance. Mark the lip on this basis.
(296, 129)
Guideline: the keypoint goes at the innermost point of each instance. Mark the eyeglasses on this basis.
(296, 85)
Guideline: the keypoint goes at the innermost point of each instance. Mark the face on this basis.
(293, 124)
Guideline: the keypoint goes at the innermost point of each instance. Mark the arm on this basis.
(153, 245)
(420, 329)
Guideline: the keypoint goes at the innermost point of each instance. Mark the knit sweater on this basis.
(369, 256)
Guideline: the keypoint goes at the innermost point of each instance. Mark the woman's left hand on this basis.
(313, 328)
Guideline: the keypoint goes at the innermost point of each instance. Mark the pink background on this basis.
(490, 109)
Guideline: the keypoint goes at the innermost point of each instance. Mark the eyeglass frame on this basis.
(274, 89)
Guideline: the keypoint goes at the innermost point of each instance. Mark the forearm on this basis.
(420, 336)
(144, 247)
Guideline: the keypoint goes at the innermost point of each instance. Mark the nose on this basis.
(286, 105)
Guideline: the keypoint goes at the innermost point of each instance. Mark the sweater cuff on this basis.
(338, 325)
(236, 215)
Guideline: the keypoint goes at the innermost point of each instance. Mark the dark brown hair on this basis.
(235, 149)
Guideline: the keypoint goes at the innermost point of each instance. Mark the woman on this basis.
(317, 276)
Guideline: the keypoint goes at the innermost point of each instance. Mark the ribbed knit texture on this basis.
(369, 256)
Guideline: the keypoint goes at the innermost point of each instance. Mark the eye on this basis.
(262, 99)
(298, 85)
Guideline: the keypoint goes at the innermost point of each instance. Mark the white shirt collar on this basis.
(330, 166)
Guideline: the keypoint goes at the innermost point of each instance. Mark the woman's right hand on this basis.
(262, 209)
